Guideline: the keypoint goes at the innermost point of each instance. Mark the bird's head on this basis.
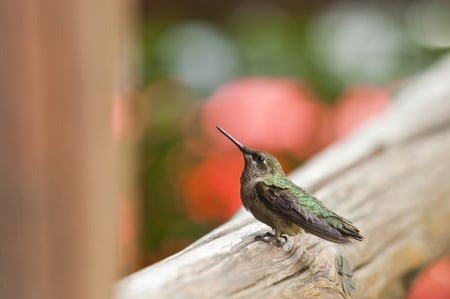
(258, 164)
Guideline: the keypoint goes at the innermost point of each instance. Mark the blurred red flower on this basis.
(356, 106)
(212, 188)
(271, 114)
(433, 283)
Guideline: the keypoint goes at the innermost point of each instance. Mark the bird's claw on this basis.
(267, 237)
(278, 241)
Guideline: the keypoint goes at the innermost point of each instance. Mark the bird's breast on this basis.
(248, 195)
(253, 204)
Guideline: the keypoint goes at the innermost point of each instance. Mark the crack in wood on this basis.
(247, 287)
(345, 274)
(291, 276)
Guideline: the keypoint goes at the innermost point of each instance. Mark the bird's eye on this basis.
(260, 159)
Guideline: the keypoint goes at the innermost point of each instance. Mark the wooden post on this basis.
(391, 179)
(58, 187)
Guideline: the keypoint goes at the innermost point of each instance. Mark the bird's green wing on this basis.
(293, 203)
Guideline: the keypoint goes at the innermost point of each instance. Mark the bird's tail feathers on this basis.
(346, 228)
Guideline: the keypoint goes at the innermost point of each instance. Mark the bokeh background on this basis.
(288, 77)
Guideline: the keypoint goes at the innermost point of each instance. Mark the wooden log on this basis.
(391, 179)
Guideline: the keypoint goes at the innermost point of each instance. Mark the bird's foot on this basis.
(277, 240)
(267, 237)
(280, 241)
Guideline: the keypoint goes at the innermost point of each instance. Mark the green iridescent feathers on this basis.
(290, 201)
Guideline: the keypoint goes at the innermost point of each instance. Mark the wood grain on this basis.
(391, 179)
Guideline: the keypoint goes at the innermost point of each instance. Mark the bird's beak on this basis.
(243, 148)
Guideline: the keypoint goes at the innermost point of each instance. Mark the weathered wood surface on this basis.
(392, 179)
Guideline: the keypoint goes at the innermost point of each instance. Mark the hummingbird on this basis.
(288, 209)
